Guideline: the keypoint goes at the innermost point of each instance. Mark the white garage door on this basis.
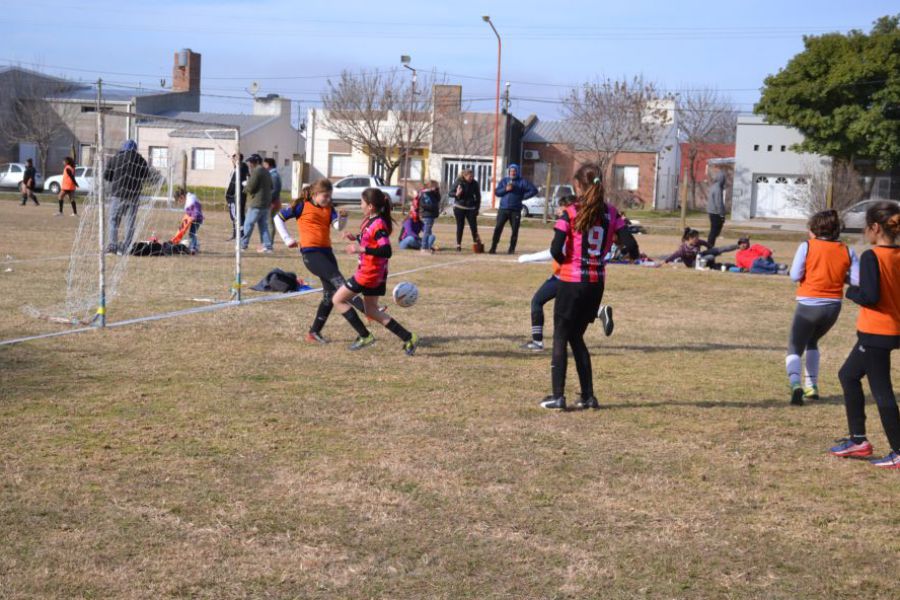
(775, 196)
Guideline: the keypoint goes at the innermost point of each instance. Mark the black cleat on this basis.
(588, 403)
(554, 403)
(797, 396)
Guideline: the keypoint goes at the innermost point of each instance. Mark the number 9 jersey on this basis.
(585, 251)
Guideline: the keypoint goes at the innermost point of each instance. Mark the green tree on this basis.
(842, 93)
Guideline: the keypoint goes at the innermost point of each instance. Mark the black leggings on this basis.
(715, 228)
(542, 296)
(324, 266)
(811, 323)
(71, 196)
(576, 307)
(515, 218)
(875, 364)
(462, 215)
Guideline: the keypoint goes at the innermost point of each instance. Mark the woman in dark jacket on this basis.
(429, 209)
(466, 193)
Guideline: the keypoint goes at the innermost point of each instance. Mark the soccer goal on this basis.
(142, 247)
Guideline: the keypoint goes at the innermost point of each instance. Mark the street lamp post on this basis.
(404, 60)
(487, 20)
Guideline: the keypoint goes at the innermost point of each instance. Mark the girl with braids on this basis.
(583, 235)
(315, 217)
(373, 245)
(878, 334)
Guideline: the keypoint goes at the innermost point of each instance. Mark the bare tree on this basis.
(27, 117)
(377, 113)
(704, 117)
(606, 117)
(844, 181)
(463, 134)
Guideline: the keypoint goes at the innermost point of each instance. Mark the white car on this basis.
(11, 175)
(350, 188)
(534, 207)
(84, 177)
(855, 217)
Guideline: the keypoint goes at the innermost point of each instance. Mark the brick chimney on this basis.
(447, 98)
(186, 71)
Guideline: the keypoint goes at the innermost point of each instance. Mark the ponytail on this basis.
(381, 203)
(307, 193)
(592, 204)
(886, 214)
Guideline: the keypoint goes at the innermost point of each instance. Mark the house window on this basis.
(769, 148)
(287, 162)
(416, 168)
(159, 157)
(87, 154)
(756, 147)
(203, 159)
(339, 165)
(783, 148)
(376, 168)
(626, 178)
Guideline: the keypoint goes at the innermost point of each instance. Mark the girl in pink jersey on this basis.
(373, 245)
(582, 237)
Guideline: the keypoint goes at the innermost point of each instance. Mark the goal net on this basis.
(154, 227)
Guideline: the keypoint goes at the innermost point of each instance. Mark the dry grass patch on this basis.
(216, 456)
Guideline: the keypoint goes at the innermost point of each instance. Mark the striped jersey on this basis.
(313, 224)
(585, 252)
(372, 270)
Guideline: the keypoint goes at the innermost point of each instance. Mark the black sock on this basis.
(74, 209)
(356, 323)
(60, 207)
(398, 330)
(321, 316)
(858, 438)
(357, 303)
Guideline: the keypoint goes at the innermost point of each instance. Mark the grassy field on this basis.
(218, 456)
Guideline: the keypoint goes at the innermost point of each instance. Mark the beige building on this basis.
(195, 148)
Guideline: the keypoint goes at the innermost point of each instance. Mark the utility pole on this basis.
(404, 60)
(547, 191)
(487, 19)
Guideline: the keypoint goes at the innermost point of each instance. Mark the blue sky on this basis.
(291, 47)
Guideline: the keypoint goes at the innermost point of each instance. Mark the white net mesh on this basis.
(159, 256)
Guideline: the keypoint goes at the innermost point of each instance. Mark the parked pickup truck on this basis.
(350, 188)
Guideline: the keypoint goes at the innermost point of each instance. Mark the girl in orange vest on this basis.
(878, 333)
(821, 266)
(68, 187)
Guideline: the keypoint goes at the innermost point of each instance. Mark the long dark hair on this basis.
(689, 233)
(886, 214)
(381, 202)
(592, 203)
(307, 193)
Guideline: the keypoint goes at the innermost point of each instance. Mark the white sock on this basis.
(812, 367)
(792, 363)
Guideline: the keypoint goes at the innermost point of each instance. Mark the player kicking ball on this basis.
(373, 245)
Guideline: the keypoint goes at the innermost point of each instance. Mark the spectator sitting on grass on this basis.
(410, 232)
(689, 249)
(757, 258)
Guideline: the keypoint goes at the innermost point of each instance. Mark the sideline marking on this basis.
(211, 308)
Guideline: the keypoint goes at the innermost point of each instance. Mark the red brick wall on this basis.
(566, 162)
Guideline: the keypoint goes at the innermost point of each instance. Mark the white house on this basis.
(769, 177)
(205, 142)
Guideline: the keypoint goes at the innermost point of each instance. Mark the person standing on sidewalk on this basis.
(715, 205)
(511, 190)
(259, 193)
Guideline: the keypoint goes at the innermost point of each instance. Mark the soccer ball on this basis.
(405, 294)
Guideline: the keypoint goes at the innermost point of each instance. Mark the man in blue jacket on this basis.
(511, 190)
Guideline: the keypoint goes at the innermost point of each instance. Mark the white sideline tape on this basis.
(211, 308)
